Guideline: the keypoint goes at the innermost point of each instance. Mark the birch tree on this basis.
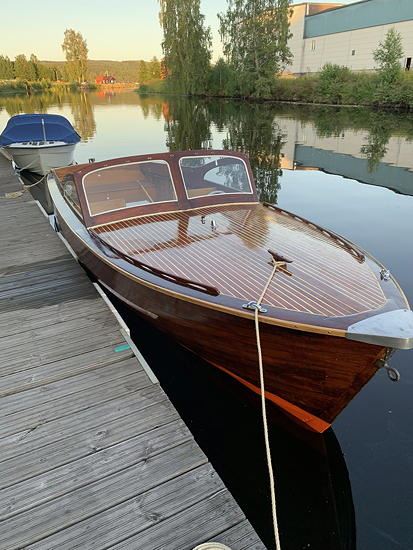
(75, 48)
(255, 36)
(186, 45)
(388, 56)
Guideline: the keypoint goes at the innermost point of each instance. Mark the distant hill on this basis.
(123, 71)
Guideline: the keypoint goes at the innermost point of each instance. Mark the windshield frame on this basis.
(222, 155)
(113, 167)
(182, 201)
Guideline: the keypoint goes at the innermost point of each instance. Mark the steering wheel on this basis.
(217, 192)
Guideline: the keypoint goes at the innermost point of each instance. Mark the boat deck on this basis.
(326, 278)
(93, 454)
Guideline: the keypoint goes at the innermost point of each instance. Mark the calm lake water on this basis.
(348, 170)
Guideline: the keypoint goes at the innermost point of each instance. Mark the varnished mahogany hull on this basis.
(311, 376)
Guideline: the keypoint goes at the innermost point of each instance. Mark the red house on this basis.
(105, 79)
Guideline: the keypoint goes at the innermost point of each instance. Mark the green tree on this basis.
(154, 67)
(388, 56)
(332, 81)
(23, 68)
(44, 72)
(163, 72)
(34, 67)
(186, 45)
(255, 37)
(75, 48)
(223, 80)
(143, 72)
(6, 68)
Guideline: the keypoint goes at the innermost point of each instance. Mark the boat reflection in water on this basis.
(314, 497)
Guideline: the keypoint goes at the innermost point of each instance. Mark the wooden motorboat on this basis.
(39, 142)
(183, 240)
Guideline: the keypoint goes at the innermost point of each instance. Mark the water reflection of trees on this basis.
(83, 116)
(333, 121)
(249, 128)
(150, 106)
(187, 124)
(79, 102)
(378, 138)
(14, 105)
(380, 127)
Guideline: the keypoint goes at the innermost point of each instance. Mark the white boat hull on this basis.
(40, 159)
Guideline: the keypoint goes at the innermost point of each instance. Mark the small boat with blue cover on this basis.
(39, 142)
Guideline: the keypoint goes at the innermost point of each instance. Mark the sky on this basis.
(114, 29)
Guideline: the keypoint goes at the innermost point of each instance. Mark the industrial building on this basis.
(347, 34)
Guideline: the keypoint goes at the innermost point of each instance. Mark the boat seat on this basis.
(200, 191)
(107, 205)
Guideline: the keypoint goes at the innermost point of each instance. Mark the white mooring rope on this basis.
(28, 165)
(276, 265)
(30, 185)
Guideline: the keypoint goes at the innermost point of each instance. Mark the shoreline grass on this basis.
(334, 86)
(24, 87)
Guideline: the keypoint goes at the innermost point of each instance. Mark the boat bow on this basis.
(392, 329)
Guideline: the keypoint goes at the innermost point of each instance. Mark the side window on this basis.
(70, 193)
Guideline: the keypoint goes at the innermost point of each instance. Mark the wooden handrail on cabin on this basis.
(201, 287)
(347, 245)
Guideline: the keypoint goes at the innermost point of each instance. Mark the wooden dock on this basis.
(92, 453)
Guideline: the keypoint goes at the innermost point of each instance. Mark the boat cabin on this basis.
(118, 189)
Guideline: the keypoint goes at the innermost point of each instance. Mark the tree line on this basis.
(77, 63)
(27, 69)
(77, 67)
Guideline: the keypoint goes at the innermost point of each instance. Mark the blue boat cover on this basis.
(21, 128)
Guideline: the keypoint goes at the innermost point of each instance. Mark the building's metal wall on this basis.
(353, 49)
(361, 15)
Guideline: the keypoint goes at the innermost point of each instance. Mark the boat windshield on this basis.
(128, 185)
(214, 175)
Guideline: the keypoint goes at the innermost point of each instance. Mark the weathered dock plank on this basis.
(93, 454)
